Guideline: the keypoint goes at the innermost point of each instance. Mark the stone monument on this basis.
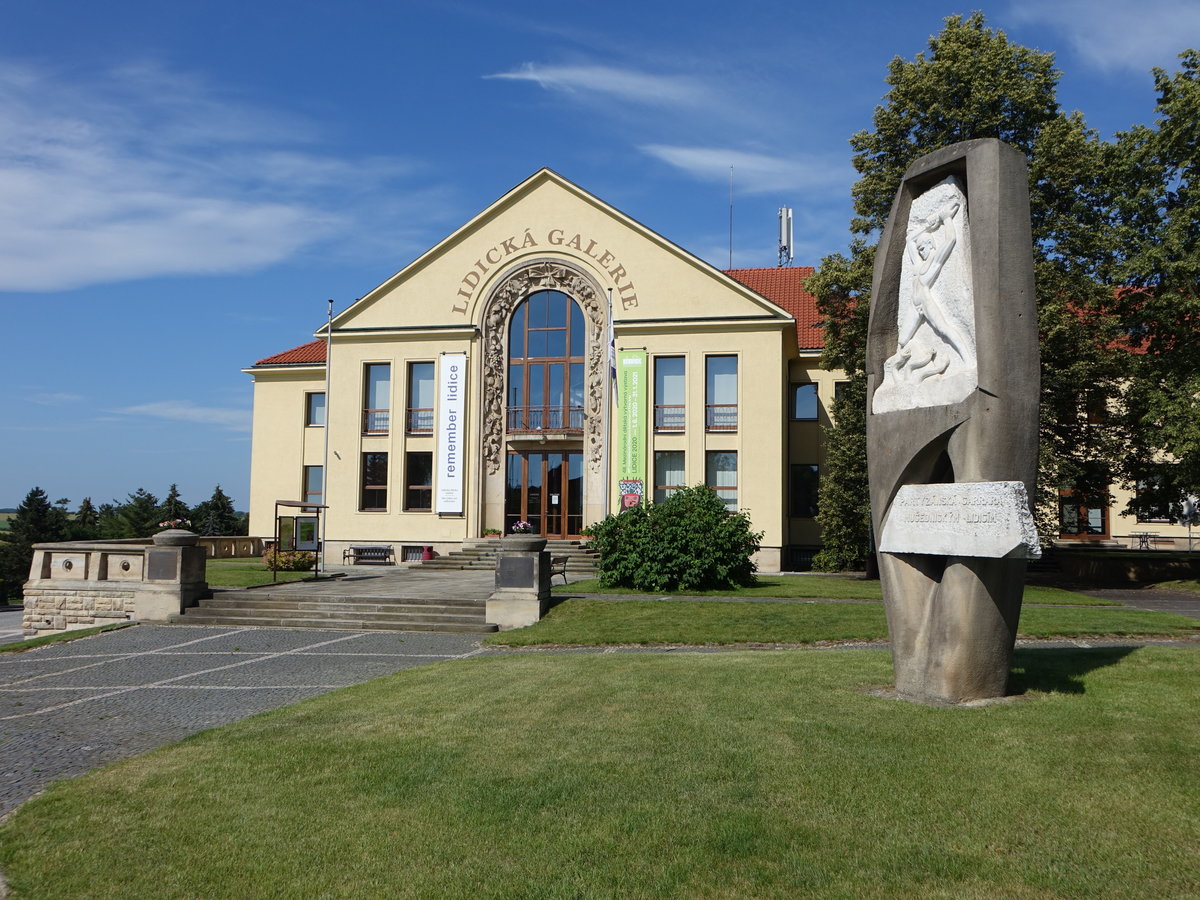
(522, 593)
(952, 418)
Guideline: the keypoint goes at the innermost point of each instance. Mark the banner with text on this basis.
(450, 435)
(631, 425)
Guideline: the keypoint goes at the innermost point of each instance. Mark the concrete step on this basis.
(266, 599)
(338, 612)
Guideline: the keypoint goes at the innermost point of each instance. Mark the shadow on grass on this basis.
(1059, 668)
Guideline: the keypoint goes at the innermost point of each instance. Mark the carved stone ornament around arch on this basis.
(542, 275)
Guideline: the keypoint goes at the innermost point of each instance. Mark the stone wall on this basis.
(86, 583)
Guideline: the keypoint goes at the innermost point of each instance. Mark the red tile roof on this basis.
(305, 354)
(784, 286)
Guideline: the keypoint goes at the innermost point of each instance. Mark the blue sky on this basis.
(183, 185)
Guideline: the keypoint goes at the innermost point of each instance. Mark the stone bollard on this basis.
(172, 576)
(522, 593)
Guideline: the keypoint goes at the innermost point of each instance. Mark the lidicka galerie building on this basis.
(548, 362)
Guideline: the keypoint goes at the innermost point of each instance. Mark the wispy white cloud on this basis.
(1117, 34)
(624, 84)
(186, 411)
(754, 173)
(143, 172)
(53, 398)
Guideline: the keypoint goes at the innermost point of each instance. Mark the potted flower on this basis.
(522, 528)
(491, 532)
(523, 538)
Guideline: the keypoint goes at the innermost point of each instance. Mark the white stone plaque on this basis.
(983, 518)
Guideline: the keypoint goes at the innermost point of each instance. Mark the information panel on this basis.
(631, 422)
(450, 462)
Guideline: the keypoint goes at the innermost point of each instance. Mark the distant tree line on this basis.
(140, 515)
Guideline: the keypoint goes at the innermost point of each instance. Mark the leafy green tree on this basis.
(975, 83)
(85, 526)
(688, 542)
(173, 509)
(1156, 200)
(216, 516)
(137, 517)
(37, 520)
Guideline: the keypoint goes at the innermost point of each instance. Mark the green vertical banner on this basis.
(632, 393)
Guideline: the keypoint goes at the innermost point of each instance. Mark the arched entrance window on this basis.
(545, 390)
(545, 364)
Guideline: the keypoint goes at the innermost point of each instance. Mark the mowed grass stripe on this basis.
(821, 587)
(743, 774)
(600, 622)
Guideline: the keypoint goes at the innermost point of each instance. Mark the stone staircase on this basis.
(481, 554)
(263, 608)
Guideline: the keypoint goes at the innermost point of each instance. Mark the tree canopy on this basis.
(974, 83)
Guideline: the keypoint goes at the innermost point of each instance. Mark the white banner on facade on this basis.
(451, 432)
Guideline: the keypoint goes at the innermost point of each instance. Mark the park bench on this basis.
(382, 554)
(558, 566)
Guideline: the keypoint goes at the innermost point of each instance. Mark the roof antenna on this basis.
(731, 217)
(785, 236)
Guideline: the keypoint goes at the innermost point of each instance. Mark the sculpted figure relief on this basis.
(934, 361)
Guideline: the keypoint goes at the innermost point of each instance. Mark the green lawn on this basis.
(245, 572)
(591, 622)
(753, 774)
(822, 587)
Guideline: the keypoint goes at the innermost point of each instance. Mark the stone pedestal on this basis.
(522, 593)
(173, 576)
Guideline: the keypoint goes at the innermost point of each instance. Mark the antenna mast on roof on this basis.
(731, 217)
(785, 236)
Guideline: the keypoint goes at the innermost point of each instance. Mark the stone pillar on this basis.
(172, 576)
(952, 418)
(522, 593)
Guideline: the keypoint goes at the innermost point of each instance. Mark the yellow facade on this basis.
(461, 297)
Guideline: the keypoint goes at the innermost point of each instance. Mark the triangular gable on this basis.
(548, 216)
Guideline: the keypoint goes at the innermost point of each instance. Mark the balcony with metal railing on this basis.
(721, 417)
(376, 421)
(561, 419)
(418, 421)
(669, 417)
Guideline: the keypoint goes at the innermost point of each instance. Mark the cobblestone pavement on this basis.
(71, 707)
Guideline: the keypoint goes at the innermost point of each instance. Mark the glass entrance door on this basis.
(545, 490)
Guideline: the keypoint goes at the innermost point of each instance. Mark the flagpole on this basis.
(325, 455)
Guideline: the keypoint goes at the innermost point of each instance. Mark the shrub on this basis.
(690, 542)
(289, 560)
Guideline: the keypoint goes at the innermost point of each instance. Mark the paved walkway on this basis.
(1186, 604)
(71, 707)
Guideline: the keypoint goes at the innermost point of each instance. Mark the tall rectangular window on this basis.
(804, 402)
(805, 481)
(377, 391)
(720, 474)
(374, 481)
(668, 473)
(418, 481)
(314, 484)
(1082, 515)
(669, 377)
(419, 414)
(721, 393)
(314, 408)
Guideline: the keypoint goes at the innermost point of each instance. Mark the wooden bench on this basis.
(382, 554)
(558, 566)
